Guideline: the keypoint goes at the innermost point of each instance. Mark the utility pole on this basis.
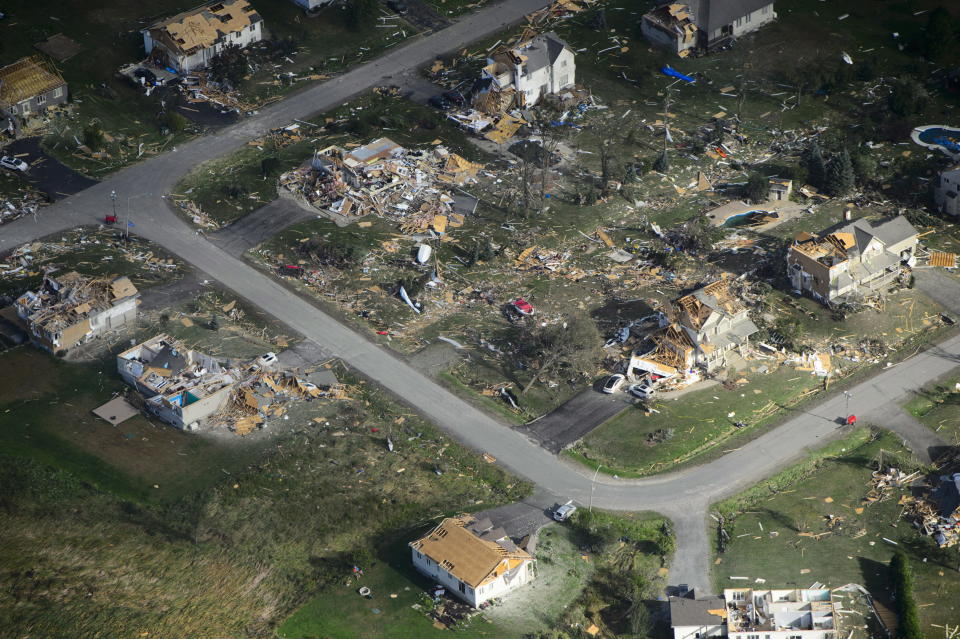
(846, 414)
(666, 119)
(593, 485)
(113, 198)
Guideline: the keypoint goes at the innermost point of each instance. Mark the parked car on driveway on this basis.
(14, 164)
(563, 512)
(643, 390)
(613, 383)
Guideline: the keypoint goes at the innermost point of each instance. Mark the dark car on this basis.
(439, 102)
(149, 77)
(455, 97)
(398, 5)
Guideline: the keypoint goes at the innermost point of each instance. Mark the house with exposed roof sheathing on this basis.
(473, 559)
(694, 25)
(190, 40)
(28, 87)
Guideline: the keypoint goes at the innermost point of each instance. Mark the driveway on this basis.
(575, 419)
(47, 173)
(683, 496)
(258, 226)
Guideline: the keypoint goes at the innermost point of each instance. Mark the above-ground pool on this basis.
(748, 218)
(938, 137)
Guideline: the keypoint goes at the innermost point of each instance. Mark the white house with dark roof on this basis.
(538, 67)
(946, 193)
(698, 618)
(472, 558)
(704, 24)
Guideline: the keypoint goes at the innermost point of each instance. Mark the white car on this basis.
(13, 163)
(643, 391)
(562, 513)
(267, 359)
(613, 383)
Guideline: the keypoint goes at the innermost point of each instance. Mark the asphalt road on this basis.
(683, 496)
(575, 418)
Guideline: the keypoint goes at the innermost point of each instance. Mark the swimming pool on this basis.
(745, 219)
(939, 137)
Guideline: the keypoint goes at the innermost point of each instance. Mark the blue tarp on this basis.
(673, 73)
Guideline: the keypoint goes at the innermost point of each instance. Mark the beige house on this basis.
(687, 25)
(851, 258)
(178, 385)
(471, 558)
(541, 66)
(190, 40)
(71, 309)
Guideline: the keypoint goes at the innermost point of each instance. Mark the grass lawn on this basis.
(47, 416)
(938, 406)
(396, 610)
(770, 527)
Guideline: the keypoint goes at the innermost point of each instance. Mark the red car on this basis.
(522, 306)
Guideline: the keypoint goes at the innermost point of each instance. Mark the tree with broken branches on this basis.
(569, 346)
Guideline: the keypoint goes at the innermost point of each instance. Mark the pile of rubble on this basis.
(934, 509)
(13, 208)
(413, 186)
(266, 394)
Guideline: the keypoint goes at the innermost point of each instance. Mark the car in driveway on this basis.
(643, 390)
(563, 512)
(613, 383)
(14, 164)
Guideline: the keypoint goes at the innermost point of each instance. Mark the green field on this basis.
(938, 406)
(771, 527)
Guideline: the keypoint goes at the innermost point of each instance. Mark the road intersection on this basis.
(683, 496)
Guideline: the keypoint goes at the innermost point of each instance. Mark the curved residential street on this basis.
(683, 496)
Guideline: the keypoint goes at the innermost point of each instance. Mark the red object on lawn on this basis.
(110, 219)
(523, 306)
(374, 430)
(721, 152)
(851, 420)
(383, 332)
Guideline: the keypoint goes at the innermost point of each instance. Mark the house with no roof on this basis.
(190, 40)
(180, 386)
(745, 613)
(688, 25)
(541, 66)
(851, 258)
(28, 87)
(70, 309)
(473, 559)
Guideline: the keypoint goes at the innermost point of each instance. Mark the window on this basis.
(58, 92)
(739, 21)
(13, 109)
(419, 555)
(463, 587)
(564, 79)
(753, 636)
(766, 9)
(41, 99)
(747, 17)
(563, 63)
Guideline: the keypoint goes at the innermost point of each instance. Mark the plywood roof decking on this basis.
(464, 555)
(715, 296)
(946, 260)
(25, 79)
(200, 28)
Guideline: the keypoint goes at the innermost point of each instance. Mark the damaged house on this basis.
(28, 87)
(522, 75)
(705, 25)
(946, 191)
(799, 613)
(388, 180)
(178, 385)
(851, 258)
(71, 309)
(190, 40)
(710, 323)
(476, 561)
